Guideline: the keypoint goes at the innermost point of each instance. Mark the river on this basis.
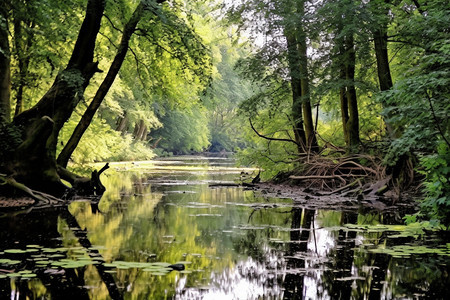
(161, 231)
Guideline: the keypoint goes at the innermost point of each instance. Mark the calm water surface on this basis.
(233, 243)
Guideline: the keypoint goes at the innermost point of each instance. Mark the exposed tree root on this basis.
(19, 195)
(348, 175)
(40, 199)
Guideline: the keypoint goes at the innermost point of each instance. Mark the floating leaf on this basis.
(15, 251)
(9, 261)
(34, 246)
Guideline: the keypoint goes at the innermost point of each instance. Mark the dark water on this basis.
(234, 244)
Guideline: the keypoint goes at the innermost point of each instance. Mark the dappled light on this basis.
(224, 149)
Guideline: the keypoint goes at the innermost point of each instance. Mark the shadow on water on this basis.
(160, 232)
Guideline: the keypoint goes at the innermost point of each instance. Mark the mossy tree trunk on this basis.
(34, 162)
(23, 39)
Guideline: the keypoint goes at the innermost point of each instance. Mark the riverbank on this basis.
(304, 197)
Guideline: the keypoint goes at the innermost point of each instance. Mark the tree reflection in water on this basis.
(236, 244)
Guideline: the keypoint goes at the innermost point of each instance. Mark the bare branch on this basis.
(271, 138)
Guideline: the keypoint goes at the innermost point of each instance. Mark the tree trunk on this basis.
(144, 133)
(297, 115)
(35, 160)
(311, 140)
(340, 63)
(22, 44)
(380, 39)
(5, 67)
(88, 115)
(138, 129)
(344, 103)
(122, 123)
(298, 68)
(381, 53)
(353, 116)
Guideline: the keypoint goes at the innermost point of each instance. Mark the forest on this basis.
(337, 93)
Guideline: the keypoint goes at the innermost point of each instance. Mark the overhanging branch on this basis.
(271, 138)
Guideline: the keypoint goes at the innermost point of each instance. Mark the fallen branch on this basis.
(320, 177)
(341, 188)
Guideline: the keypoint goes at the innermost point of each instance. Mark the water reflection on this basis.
(235, 244)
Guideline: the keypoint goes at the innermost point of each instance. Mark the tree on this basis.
(129, 28)
(34, 161)
(300, 42)
(5, 61)
(346, 59)
(285, 30)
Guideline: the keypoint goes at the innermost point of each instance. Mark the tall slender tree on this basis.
(5, 66)
(352, 125)
(380, 39)
(87, 117)
(298, 68)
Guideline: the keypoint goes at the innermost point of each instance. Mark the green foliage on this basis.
(101, 143)
(184, 131)
(436, 168)
(222, 97)
(271, 156)
(418, 102)
(42, 39)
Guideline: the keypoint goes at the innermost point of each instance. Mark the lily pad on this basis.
(9, 261)
(15, 251)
